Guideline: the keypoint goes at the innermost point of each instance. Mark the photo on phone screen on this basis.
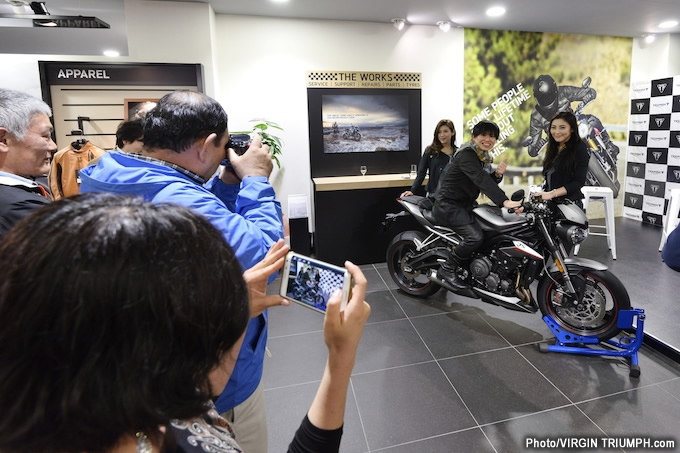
(312, 282)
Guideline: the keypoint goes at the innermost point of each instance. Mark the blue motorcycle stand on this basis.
(627, 346)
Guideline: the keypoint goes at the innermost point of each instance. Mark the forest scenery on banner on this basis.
(520, 80)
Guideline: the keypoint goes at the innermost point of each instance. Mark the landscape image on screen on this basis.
(356, 123)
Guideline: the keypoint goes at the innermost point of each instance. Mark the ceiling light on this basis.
(495, 11)
(649, 38)
(399, 23)
(444, 25)
(111, 53)
(668, 24)
(41, 20)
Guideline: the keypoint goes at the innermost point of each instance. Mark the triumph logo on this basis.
(677, 137)
(677, 174)
(633, 200)
(651, 219)
(640, 106)
(661, 87)
(637, 138)
(659, 122)
(657, 155)
(636, 170)
(661, 105)
(654, 187)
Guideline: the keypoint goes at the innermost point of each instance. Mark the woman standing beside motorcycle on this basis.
(435, 158)
(566, 160)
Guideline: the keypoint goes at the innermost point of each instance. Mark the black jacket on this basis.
(571, 180)
(16, 202)
(460, 186)
(432, 165)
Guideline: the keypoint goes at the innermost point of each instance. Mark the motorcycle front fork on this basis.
(559, 258)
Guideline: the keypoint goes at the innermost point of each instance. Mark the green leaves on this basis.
(263, 127)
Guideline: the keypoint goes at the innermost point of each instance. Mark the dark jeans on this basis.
(472, 239)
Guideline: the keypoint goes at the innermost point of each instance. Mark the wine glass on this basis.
(363, 170)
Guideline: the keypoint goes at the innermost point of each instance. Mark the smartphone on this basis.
(312, 282)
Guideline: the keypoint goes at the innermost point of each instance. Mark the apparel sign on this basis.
(653, 168)
(155, 74)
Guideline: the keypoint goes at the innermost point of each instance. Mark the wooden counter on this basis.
(363, 182)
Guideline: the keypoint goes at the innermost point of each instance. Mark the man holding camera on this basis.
(185, 140)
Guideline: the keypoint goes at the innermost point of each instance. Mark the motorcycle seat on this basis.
(492, 218)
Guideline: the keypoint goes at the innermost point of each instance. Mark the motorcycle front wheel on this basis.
(598, 312)
(411, 281)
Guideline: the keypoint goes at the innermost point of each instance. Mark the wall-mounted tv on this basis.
(351, 127)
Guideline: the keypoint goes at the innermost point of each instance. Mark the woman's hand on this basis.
(407, 193)
(256, 279)
(342, 329)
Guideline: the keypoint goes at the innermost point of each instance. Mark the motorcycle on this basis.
(352, 134)
(602, 170)
(581, 295)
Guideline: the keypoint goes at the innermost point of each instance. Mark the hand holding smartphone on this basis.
(312, 282)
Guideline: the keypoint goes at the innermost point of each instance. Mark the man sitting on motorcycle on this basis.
(459, 188)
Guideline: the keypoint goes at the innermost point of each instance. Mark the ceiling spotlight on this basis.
(649, 38)
(668, 24)
(495, 11)
(111, 53)
(399, 23)
(444, 25)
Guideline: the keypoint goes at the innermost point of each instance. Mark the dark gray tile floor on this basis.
(451, 374)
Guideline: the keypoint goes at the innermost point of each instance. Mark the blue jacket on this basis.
(671, 251)
(248, 215)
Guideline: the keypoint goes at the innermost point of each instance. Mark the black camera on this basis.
(239, 143)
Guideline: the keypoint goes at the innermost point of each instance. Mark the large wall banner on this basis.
(520, 80)
(653, 149)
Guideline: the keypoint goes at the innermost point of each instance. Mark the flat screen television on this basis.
(350, 127)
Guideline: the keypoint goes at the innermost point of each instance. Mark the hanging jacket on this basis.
(248, 215)
(66, 165)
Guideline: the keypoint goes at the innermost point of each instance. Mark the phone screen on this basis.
(312, 283)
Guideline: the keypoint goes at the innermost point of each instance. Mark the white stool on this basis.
(606, 196)
(670, 220)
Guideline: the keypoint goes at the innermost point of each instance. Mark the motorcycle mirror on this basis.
(518, 195)
(525, 142)
(586, 82)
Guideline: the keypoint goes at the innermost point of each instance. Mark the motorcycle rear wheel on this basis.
(412, 282)
(598, 312)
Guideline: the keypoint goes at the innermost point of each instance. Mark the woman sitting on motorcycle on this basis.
(435, 158)
(460, 186)
(566, 160)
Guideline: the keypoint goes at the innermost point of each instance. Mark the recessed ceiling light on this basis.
(444, 25)
(668, 24)
(399, 23)
(280, 1)
(495, 11)
(111, 53)
(649, 39)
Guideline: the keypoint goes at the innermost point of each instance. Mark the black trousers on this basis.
(472, 235)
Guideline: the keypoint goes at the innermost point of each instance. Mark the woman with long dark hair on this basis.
(435, 158)
(566, 160)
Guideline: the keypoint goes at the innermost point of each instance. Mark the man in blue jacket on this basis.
(185, 138)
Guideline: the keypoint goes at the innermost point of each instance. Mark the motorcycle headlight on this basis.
(583, 130)
(572, 234)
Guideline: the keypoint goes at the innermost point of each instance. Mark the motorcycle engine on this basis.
(492, 275)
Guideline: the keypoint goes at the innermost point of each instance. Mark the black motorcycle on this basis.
(352, 133)
(581, 295)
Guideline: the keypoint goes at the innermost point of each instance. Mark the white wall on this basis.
(655, 60)
(262, 64)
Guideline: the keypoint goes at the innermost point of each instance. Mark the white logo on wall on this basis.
(654, 187)
(677, 174)
(657, 155)
(633, 200)
(651, 219)
(637, 138)
(639, 106)
(677, 137)
(661, 87)
(659, 122)
(636, 170)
